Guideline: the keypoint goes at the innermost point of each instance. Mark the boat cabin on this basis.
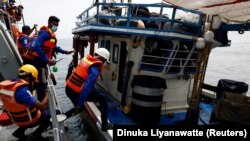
(153, 53)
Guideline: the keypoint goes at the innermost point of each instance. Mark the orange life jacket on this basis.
(15, 31)
(15, 12)
(20, 114)
(25, 52)
(77, 79)
(49, 46)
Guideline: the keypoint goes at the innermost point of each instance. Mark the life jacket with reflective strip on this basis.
(49, 46)
(25, 52)
(77, 79)
(20, 114)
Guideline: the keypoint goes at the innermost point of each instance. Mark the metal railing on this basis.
(129, 16)
(58, 126)
(171, 61)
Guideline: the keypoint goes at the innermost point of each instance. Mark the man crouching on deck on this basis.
(23, 108)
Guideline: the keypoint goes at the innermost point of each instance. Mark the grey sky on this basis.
(38, 11)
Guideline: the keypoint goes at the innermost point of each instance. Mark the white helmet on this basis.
(103, 52)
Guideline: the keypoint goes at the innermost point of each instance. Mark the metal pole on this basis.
(58, 127)
(54, 121)
(92, 43)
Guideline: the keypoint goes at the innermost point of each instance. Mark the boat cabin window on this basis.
(115, 53)
(102, 43)
(105, 44)
(167, 56)
(183, 59)
(155, 54)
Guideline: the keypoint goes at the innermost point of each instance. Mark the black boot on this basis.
(37, 138)
(107, 126)
(19, 133)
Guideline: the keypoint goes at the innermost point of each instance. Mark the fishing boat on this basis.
(159, 55)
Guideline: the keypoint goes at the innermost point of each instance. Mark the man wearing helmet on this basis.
(80, 84)
(23, 108)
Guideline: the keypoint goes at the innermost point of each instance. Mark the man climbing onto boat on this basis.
(45, 46)
(23, 108)
(80, 85)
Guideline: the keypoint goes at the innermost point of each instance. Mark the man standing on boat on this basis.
(23, 44)
(45, 46)
(23, 108)
(80, 85)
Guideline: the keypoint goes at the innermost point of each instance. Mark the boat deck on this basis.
(6, 133)
(118, 117)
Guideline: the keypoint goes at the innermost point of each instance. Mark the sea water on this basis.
(230, 62)
(75, 128)
(224, 63)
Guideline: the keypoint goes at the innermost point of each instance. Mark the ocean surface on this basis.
(224, 63)
(230, 62)
(75, 128)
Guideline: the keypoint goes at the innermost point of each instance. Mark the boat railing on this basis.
(167, 18)
(171, 61)
(11, 59)
(168, 58)
(57, 123)
(9, 18)
(209, 90)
